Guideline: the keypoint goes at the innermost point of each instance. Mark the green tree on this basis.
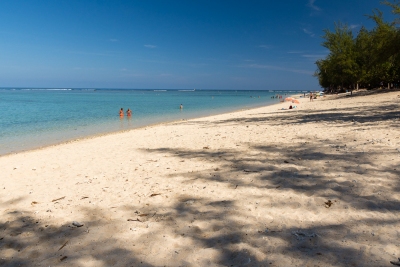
(363, 47)
(394, 45)
(340, 68)
(384, 50)
(370, 58)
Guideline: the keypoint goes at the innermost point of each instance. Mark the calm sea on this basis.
(32, 118)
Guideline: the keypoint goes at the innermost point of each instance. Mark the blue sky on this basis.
(150, 44)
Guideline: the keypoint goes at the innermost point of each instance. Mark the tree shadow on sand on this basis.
(210, 230)
(279, 209)
(26, 240)
(361, 116)
(342, 179)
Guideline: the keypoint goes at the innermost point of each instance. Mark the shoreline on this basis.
(91, 136)
(70, 125)
(316, 185)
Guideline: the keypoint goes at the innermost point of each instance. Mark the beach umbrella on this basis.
(289, 98)
(296, 101)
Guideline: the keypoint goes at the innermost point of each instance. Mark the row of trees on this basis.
(369, 60)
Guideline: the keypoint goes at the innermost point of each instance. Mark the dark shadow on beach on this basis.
(342, 175)
(234, 233)
(220, 229)
(364, 92)
(359, 116)
(24, 237)
(353, 188)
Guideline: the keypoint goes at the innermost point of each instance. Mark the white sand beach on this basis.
(314, 186)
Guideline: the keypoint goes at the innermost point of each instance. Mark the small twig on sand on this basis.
(246, 170)
(397, 263)
(54, 200)
(133, 220)
(63, 245)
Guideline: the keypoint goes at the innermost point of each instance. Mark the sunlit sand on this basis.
(313, 186)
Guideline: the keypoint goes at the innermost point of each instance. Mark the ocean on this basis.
(34, 117)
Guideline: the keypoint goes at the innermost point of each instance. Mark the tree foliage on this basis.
(370, 59)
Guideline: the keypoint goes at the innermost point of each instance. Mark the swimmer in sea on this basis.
(128, 113)
(121, 112)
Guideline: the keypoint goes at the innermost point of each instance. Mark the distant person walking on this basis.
(311, 96)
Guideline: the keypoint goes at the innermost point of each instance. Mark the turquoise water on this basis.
(32, 118)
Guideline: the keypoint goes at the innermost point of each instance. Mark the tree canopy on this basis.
(370, 59)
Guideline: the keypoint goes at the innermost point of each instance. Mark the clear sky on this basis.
(207, 44)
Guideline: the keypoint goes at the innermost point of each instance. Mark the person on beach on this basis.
(121, 112)
(128, 113)
(311, 96)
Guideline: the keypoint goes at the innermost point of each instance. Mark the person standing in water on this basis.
(128, 113)
(121, 112)
(181, 106)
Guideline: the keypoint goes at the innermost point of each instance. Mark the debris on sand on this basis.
(134, 220)
(54, 200)
(300, 235)
(328, 204)
(77, 224)
(397, 263)
(65, 243)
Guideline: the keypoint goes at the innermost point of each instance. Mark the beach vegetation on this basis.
(368, 59)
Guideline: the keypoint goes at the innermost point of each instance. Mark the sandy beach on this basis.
(314, 186)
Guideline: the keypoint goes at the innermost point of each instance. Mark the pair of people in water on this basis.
(128, 112)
